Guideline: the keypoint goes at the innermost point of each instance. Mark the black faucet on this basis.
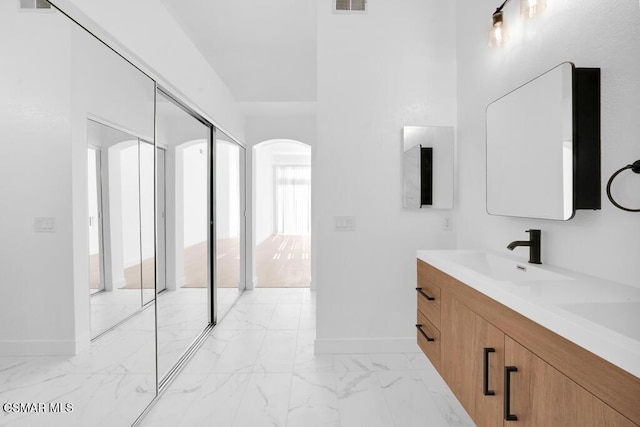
(533, 243)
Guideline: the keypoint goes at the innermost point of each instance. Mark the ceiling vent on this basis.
(350, 5)
(35, 4)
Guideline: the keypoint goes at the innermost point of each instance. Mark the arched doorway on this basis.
(282, 227)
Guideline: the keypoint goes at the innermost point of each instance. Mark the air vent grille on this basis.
(351, 5)
(35, 4)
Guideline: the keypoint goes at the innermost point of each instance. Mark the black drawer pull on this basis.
(508, 416)
(424, 334)
(424, 294)
(485, 372)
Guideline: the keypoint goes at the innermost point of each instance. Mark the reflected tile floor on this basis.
(258, 368)
(112, 382)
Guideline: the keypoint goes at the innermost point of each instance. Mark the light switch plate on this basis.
(44, 225)
(344, 223)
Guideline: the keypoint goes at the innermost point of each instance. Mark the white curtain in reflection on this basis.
(293, 199)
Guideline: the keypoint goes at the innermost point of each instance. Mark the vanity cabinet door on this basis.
(540, 395)
(472, 361)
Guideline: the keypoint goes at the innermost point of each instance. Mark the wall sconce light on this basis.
(528, 9)
(531, 8)
(498, 34)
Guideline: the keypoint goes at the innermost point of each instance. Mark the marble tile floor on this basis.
(258, 368)
(109, 308)
(112, 382)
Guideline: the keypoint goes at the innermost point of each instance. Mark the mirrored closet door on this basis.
(76, 178)
(230, 221)
(121, 220)
(184, 196)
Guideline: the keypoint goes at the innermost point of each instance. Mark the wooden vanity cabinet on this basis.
(472, 360)
(551, 381)
(542, 396)
(428, 315)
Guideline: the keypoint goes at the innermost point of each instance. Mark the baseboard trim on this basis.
(37, 348)
(116, 284)
(180, 282)
(366, 345)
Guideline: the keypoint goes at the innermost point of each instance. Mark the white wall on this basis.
(130, 207)
(195, 209)
(145, 32)
(263, 188)
(589, 33)
(377, 72)
(36, 269)
(227, 190)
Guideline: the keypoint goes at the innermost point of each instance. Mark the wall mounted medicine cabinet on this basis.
(543, 146)
(427, 165)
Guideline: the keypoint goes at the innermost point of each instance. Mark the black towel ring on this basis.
(635, 168)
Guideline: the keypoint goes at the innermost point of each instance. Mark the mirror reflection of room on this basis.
(121, 245)
(76, 232)
(229, 223)
(182, 199)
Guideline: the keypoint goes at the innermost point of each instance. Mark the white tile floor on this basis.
(112, 382)
(258, 369)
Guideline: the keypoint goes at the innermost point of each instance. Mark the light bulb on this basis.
(531, 8)
(498, 34)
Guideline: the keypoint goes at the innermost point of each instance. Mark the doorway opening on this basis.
(282, 173)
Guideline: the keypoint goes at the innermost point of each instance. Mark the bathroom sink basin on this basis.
(623, 317)
(504, 269)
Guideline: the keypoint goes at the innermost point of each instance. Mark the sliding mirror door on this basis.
(64, 95)
(120, 226)
(230, 221)
(184, 300)
(146, 155)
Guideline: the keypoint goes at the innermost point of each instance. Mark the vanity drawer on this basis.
(430, 308)
(428, 294)
(430, 348)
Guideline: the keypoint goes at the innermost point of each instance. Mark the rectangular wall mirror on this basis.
(543, 146)
(427, 167)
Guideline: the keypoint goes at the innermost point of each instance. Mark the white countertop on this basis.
(598, 315)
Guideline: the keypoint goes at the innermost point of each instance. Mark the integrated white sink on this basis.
(504, 269)
(623, 317)
(598, 315)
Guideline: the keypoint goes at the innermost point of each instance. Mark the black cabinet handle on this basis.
(424, 294)
(508, 416)
(424, 334)
(485, 372)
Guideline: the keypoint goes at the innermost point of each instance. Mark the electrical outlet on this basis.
(44, 225)
(447, 223)
(344, 223)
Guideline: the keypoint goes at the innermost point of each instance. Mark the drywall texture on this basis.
(146, 33)
(377, 72)
(588, 33)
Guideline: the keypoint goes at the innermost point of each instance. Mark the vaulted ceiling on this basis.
(264, 50)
